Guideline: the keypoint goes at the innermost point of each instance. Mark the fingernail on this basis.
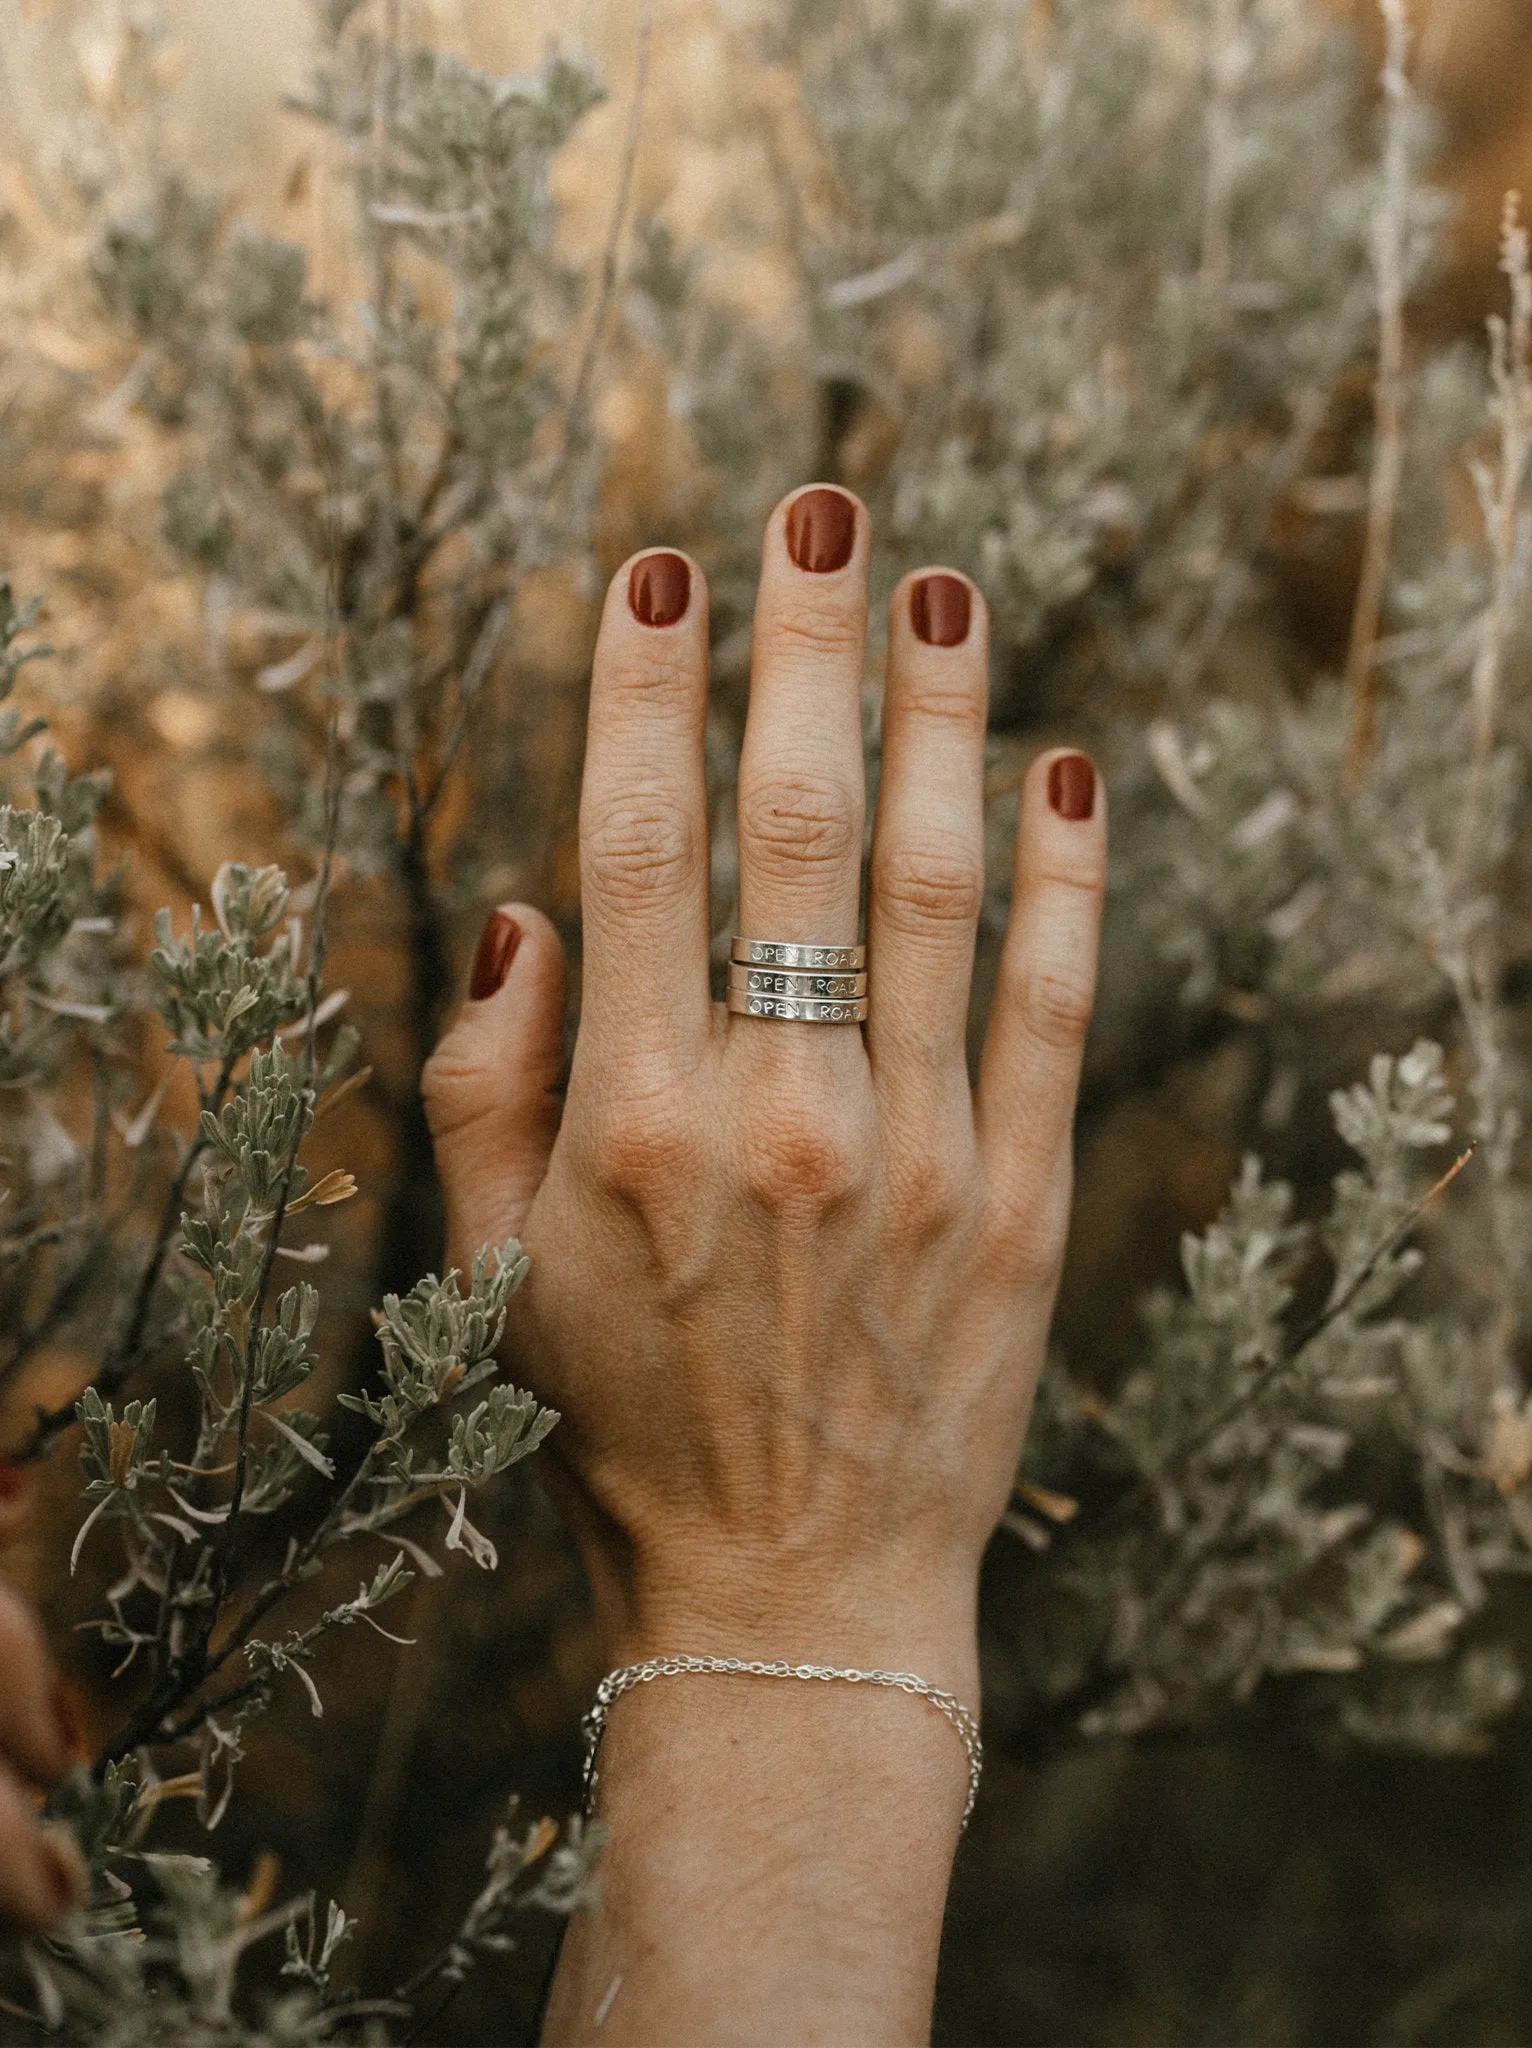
(660, 589)
(821, 530)
(64, 1869)
(492, 962)
(1072, 786)
(939, 610)
(13, 1482)
(69, 1722)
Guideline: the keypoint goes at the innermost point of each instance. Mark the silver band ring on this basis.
(796, 981)
(792, 953)
(803, 1009)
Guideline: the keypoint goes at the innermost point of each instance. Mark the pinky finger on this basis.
(42, 1873)
(1030, 1071)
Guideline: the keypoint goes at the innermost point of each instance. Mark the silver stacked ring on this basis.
(808, 984)
(785, 953)
(796, 981)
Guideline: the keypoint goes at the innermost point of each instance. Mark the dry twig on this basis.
(579, 397)
(1390, 227)
(1501, 489)
(1228, 58)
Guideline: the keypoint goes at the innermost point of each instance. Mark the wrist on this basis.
(801, 1828)
(922, 1621)
(628, 1678)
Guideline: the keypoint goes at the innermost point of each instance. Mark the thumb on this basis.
(490, 1086)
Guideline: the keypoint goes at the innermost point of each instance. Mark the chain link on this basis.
(676, 1664)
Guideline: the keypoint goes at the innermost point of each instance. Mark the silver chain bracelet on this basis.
(616, 1683)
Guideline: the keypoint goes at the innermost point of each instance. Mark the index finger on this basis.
(643, 812)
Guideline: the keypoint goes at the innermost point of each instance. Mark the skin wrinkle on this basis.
(928, 884)
(638, 844)
(662, 681)
(795, 824)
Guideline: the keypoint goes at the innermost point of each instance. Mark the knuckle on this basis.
(812, 634)
(659, 676)
(1024, 1247)
(930, 1193)
(1056, 1003)
(792, 820)
(638, 844)
(952, 703)
(799, 1155)
(450, 1082)
(930, 883)
(1086, 877)
(644, 1145)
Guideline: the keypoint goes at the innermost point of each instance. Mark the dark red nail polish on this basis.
(660, 589)
(821, 529)
(1072, 786)
(940, 607)
(492, 962)
(13, 1483)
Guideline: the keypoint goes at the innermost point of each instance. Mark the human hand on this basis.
(41, 1872)
(790, 1284)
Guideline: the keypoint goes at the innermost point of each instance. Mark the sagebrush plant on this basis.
(1092, 305)
(383, 479)
(1108, 315)
(367, 482)
(210, 1634)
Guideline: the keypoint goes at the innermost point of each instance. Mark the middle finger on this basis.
(802, 793)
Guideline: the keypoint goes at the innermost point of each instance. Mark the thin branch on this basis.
(124, 1355)
(469, 1937)
(1101, 1681)
(1390, 228)
(579, 399)
(277, 1588)
(232, 1696)
(1270, 1370)
(382, 250)
(1468, 944)
(1227, 60)
(149, 1724)
(318, 947)
(317, 944)
(1281, 473)
(192, 1669)
(59, 1306)
(101, 1121)
(412, 1690)
(475, 671)
(1500, 493)
(1317, 1325)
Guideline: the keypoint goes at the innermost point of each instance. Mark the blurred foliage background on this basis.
(723, 314)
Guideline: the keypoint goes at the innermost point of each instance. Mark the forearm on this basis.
(778, 1864)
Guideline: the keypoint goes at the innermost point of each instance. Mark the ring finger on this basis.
(927, 876)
